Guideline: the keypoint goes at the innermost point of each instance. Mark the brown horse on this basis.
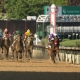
(5, 44)
(28, 47)
(53, 49)
(17, 48)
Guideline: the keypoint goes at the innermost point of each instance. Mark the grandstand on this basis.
(67, 21)
(68, 26)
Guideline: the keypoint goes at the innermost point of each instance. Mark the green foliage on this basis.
(19, 9)
(78, 43)
(2, 3)
(70, 43)
(65, 40)
(59, 2)
(44, 42)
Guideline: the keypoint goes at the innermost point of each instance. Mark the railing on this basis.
(39, 52)
(70, 48)
(67, 54)
(70, 54)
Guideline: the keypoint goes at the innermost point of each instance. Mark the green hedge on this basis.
(70, 43)
(65, 42)
(44, 42)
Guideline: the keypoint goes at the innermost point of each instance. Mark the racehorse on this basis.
(28, 47)
(17, 48)
(5, 44)
(53, 49)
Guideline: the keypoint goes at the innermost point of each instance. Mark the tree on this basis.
(59, 2)
(19, 9)
(74, 2)
(2, 3)
(15, 8)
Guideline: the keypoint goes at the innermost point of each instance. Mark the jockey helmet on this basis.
(56, 35)
(51, 35)
(5, 30)
(18, 32)
(28, 33)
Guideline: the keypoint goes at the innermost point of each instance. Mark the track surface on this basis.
(38, 69)
(38, 65)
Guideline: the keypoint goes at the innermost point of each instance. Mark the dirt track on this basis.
(38, 69)
(38, 65)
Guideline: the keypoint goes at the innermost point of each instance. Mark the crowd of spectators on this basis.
(68, 18)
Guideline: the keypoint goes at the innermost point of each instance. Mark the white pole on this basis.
(36, 38)
(53, 16)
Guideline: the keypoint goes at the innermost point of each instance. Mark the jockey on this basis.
(1, 33)
(15, 33)
(5, 33)
(51, 36)
(27, 34)
(18, 32)
(15, 36)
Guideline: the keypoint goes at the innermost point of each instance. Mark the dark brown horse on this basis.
(17, 48)
(53, 49)
(5, 44)
(28, 47)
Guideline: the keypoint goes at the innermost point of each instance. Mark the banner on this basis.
(70, 10)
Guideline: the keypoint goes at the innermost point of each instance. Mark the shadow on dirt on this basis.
(39, 76)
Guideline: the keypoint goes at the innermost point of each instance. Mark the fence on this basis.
(40, 52)
(22, 25)
(67, 54)
(70, 54)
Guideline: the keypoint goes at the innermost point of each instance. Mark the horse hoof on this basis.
(53, 62)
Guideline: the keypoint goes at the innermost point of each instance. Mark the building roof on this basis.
(43, 18)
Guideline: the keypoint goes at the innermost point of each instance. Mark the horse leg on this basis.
(53, 56)
(59, 57)
(57, 52)
(1, 49)
(20, 55)
(24, 54)
(12, 54)
(7, 54)
(30, 53)
(2, 43)
(15, 55)
(49, 53)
